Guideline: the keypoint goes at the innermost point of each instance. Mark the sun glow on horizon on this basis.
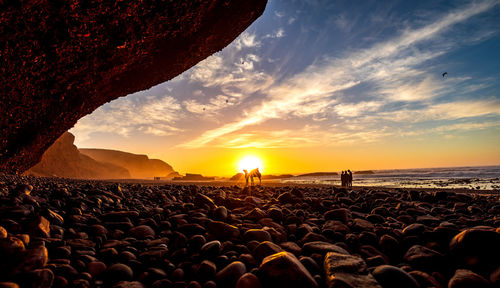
(249, 163)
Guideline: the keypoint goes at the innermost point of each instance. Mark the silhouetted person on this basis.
(350, 178)
(342, 178)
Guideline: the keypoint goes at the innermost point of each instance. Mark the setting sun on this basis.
(249, 163)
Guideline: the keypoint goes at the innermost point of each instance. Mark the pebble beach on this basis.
(76, 233)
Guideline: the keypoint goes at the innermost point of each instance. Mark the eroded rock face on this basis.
(61, 60)
(63, 159)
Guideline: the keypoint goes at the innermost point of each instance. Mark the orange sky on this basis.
(470, 149)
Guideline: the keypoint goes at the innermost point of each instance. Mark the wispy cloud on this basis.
(155, 116)
(246, 40)
(390, 66)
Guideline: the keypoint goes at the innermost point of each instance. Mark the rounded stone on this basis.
(96, 268)
(393, 277)
(265, 249)
(228, 276)
(142, 232)
(258, 235)
(8, 285)
(3, 232)
(206, 270)
(119, 272)
(220, 213)
(129, 284)
(283, 269)
(211, 249)
(465, 279)
(476, 249)
(248, 280)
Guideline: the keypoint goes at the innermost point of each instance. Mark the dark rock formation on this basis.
(237, 177)
(172, 175)
(366, 172)
(61, 59)
(317, 174)
(193, 177)
(63, 159)
(139, 166)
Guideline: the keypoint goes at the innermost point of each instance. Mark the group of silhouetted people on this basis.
(346, 178)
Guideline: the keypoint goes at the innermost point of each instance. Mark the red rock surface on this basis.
(139, 166)
(63, 59)
(63, 159)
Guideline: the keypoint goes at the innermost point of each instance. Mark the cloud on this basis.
(206, 69)
(387, 65)
(246, 40)
(413, 36)
(276, 34)
(356, 109)
(127, 116)
(307, 136)
(279, 14)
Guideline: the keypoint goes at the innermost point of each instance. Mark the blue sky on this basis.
(325, 74)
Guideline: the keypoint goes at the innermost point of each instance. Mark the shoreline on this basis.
(265, 183)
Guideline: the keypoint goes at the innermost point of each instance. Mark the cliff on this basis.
(139, 166)
(63, 59)
(63, 159)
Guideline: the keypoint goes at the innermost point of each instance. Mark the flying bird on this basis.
(444, 74)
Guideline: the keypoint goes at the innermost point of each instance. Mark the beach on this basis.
(78, 233)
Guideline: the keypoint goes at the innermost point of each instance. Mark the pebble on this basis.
(425, 259)
(466, 279)
(258, 235)
(223, 230)
(265, 249)
(322, 248)
(248, 280)
(476, 249)
(98, 234)
(393, 277)
(118, 272)
(344, 270)
(228, 276)
(283, 269)
(142, 232)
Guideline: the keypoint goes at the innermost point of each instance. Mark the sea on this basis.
(474, 178)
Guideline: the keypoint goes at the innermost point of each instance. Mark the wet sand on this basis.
(75, 233)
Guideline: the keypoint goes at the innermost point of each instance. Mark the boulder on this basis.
(476, 249)
(283, 269)
(322, 248)
(228, 276)
(465, 279)
(343, 270)
(393, 277)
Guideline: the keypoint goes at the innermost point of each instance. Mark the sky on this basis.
(326, 86)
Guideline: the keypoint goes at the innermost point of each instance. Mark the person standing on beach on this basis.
(342, 179)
